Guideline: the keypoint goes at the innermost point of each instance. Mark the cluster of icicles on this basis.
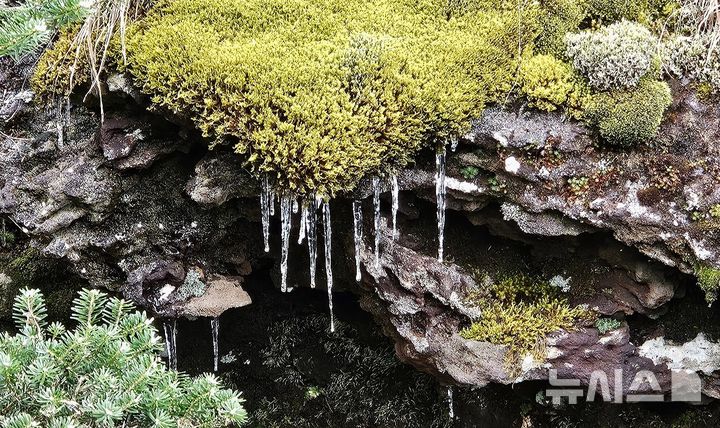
(308, 209)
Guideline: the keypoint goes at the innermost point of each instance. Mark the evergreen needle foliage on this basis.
(104, 372)
(25, 28)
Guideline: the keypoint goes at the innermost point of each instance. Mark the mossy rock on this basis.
(630, 117)
(318, 94)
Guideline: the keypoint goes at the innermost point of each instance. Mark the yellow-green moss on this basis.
(550, 84)
(630, 117)
(319, 93)
(557, 18)
(709, 280)
(520, 312)
(52, 76)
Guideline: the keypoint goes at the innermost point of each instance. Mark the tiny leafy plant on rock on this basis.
(605, 325)
(469, 172)
(104, 372)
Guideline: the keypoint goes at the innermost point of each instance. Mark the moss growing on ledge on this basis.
(321, 93)
(709, 280)
(628, 118)
(519, 313)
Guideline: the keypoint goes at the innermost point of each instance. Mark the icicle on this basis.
(395, 192)
(450, 402)
(215, 327)
(265, 202)
(170, 329)
(286, 224)
(296, 206)
(303, 222)
(271, 200)
(440, 197)
(312, 237)
(376, 207)
(328, 260)
(454, 143)
(357, 227)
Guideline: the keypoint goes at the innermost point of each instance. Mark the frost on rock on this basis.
(699, 354)
(170, 330)
(286, 222)
(358, 235)
(395, 193)
(440, 196)
(328, 259)
(376, 208)
(215, 327)
(265, 202)
(512, 165)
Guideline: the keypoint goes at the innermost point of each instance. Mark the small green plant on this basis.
(629, 117)
(519, 312)
(578, 185)
(496, 184)
(469, 172)
(104, 372)
(607, 324)
(715, 211)
(193, 286)
(312, 392)
(709, 281)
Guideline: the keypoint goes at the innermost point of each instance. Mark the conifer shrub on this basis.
(613, 57)
(630, 117)
(318, 94)
(103, 372)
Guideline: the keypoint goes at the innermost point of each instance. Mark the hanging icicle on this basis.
(440, 190)
(286, 223)
(454, 143)
(312, 236)
(451, 405)
(303, 222)
(271, 199)
(328, 260)
(376, 207)
(265, 211)
(395, 193)
(295, 206)
(358, 233)
(170, 330)
(215, 327)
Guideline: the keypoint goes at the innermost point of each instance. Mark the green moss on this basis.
(319, 94)
(519, 312)
(550, 83)
(60, 69)
(607, 324)
(628, 118)
(469, 172)
(709, 281)
(557, 18)
(608, 11)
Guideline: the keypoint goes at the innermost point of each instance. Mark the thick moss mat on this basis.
(320, 93)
